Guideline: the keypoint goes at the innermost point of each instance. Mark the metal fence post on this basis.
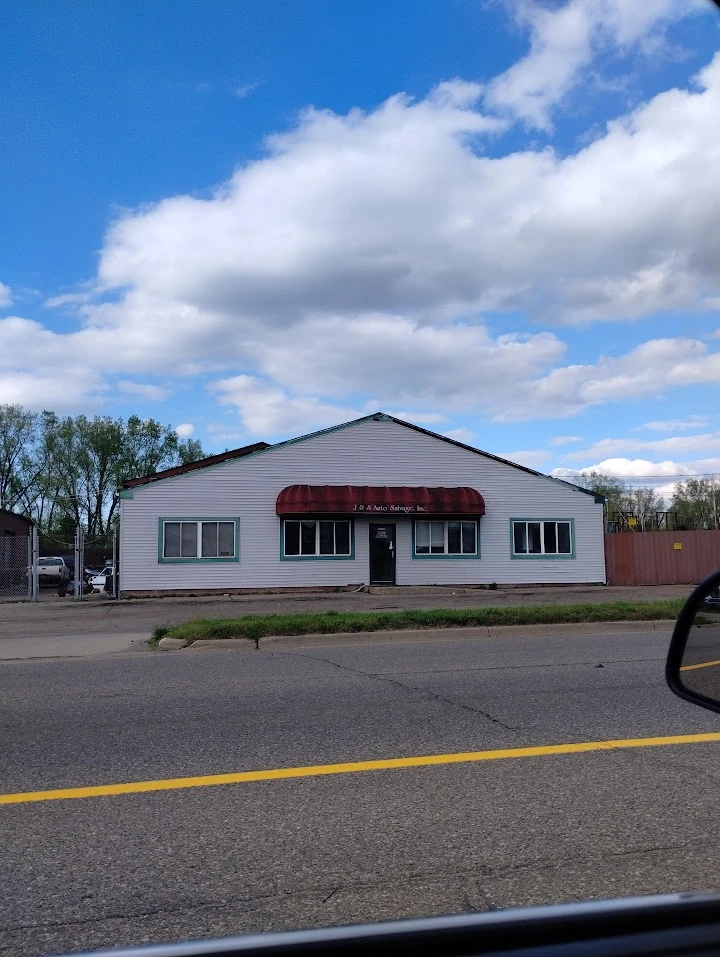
(77, 570)
(115, 566)
(34, 583)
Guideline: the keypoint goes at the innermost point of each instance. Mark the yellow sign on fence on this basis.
(677, 546)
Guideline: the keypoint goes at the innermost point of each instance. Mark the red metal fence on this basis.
(661, 558)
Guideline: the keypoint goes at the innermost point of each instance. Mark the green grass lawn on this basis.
(255, 627)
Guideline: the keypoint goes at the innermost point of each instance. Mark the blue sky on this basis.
(497, 219)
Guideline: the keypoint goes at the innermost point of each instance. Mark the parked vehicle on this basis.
(67, 587)
(99, 580)
(53, 571)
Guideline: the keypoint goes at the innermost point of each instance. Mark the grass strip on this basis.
(254, 627)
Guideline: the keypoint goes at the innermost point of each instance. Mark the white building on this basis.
(373, 501)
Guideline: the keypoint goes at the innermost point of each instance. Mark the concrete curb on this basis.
(222, 644)
(171, 644)
(428, 634)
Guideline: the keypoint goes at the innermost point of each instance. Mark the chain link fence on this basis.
(27, 561)
(16, 580)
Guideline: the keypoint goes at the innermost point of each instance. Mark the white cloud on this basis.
(565, 39)
(355, 258)
(184, 430)
(565, 439)
(674, 445)
(267, 410)
(398, 212)
(649, 369)
(675, 425)
(461, 434)
(155, 393)
(532, 458)
(419, 418)
(646, 471)
(244, 90)
(5, 295)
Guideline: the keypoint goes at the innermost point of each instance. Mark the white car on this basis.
(98, 581)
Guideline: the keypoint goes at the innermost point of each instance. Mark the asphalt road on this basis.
(275, 854)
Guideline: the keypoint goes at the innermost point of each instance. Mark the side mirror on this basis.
(693, 664)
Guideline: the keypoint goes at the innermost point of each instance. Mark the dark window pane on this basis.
(188, 541)
(209, 539)
(437, 538)
(534, 538)
(307, 538)
(469, 530)
(550, 538)
(342, 538)
(422, 538)
(292, 538)
(454, 538)
(564, 539)
(172, 540)
(226, 539)
(327, 538)
(520, 538)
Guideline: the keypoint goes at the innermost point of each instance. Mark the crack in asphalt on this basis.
(473, 875)
(559, 664)
(406, 687)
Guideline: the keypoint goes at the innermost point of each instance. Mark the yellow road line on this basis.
(703, 664)
(384, 764)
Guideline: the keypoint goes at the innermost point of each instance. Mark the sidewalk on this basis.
(24, 647)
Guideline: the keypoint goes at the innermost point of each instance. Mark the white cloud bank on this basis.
(355, 259)
(565, 39)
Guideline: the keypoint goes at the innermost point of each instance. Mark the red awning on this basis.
(382, 500)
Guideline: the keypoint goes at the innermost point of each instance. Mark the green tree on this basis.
(21, 460)
(644, 502)
(615, 491)
(697, 502)
(89, 458)
(190, 451)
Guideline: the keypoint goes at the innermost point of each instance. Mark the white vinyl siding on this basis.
(368, 453)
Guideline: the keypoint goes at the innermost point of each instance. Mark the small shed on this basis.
(13, 524)
(15, 532)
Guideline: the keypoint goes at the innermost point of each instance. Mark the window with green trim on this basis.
(446, 538)
(311, 538)
(546, 537)
(198, 539)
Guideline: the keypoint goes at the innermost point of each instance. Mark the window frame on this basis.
(198, 559)
(543, 556)
(317, 557)
(444, 556)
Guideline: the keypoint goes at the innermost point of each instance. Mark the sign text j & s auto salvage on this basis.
(407, 509)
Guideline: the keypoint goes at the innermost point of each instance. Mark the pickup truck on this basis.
(52, 571)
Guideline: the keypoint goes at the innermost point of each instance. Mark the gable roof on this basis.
(373, 417)
(192, 466)
(8, 518)
(384, 417)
